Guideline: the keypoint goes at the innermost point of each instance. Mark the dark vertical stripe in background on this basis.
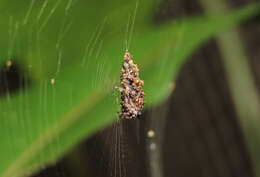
(203, 135)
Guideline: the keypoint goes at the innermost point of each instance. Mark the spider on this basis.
(132, 94)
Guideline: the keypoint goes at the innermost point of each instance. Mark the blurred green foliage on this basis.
(80, 44)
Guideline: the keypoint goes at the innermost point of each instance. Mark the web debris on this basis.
(132, 94)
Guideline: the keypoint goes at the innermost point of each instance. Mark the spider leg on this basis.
(118, 88)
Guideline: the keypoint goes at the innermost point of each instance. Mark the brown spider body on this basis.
(132, 94)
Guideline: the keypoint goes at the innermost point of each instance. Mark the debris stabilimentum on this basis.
(132, 94)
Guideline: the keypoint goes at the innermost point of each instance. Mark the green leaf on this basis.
(45, 120)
